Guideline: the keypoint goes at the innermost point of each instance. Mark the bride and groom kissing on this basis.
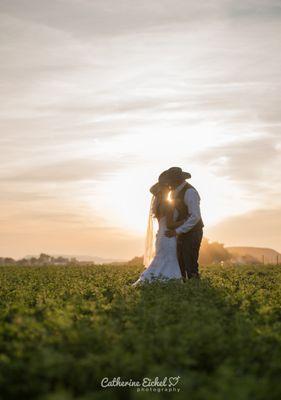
(174, 253)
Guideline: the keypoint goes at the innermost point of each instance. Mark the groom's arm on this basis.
(192, 200)
(171, 224)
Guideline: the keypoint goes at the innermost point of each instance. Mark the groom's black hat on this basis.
(169, 176)
(173, 174)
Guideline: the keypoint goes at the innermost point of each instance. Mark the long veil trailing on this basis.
(149, 251)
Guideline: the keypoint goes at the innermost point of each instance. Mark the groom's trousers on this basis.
(188, 246)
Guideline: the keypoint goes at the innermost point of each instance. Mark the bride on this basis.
(164, 263)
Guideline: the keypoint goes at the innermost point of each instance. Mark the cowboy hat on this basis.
(168, 176)
(172, 174)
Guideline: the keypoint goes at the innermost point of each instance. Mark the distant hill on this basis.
(84, 258)
(270, 255)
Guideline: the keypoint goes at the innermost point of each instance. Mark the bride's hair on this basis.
(158, 207)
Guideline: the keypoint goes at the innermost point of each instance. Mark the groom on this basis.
(189, 234)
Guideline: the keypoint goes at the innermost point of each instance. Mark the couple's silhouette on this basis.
(175, 251)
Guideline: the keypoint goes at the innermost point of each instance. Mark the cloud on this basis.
(256, 228)
(71, 170)
(73, 237)
(84, 18)
(104, 17)
(9, 196)
(252, 164)
(246, 160)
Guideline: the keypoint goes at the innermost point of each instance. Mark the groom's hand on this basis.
(170, 233)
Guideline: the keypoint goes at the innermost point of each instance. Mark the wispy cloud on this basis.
(249, 161)
(258, 227)
(68, 171)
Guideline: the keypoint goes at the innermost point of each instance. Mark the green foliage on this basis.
(63, 329)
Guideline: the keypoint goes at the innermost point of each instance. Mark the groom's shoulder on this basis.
(191, 192)
(189, 188)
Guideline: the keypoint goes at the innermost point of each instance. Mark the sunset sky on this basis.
(99, 96)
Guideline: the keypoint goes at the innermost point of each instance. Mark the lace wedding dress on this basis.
(164, 265)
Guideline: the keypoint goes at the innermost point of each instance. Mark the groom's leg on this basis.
(190, 252)
(180, 258)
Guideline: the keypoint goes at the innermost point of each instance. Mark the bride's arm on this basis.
(171, 224)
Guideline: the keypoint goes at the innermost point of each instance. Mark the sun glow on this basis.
(169, 198)
(124, 200)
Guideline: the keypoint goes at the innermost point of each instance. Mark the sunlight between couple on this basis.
(174, 253)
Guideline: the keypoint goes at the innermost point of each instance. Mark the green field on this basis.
(63, 329)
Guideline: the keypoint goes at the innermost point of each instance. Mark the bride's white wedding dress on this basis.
(165, 264)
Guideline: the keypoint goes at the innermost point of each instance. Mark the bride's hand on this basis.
(170, 233)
